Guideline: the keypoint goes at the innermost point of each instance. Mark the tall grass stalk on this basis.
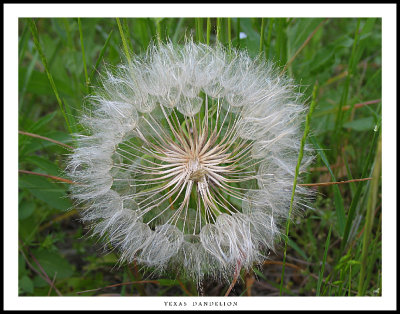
(360, 186)
(301, 152)
(219, 29)
(124, 41)
(369, 219)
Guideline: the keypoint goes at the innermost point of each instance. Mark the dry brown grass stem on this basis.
(332, 183)
(47, 176)
(59, 218)
(362, 104)
(303, 45)
(120, 284)
(46, 139)
(286, 264)
(184, 288)
(41, 275)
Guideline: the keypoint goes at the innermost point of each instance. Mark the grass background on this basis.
(334, 249)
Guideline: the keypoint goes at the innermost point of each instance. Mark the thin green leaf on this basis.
(321, 273)
(102, 51)
(27, 77)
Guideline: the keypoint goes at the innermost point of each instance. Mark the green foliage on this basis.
(59, 61)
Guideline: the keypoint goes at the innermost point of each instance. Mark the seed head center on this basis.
(196, 170)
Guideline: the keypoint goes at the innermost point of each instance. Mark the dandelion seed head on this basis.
(189, 159)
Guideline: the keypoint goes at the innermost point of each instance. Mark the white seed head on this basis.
(190, 158)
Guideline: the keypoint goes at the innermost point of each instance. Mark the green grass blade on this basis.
(321, 273)
(262, 34)
(341, 217)
(158, 29)
(27, 79)
(345, 92)
(229, 31)
(124, 42)
(281, 41)
(238, 32)
(208, 30)
(219, 27)
(372, 199)
(268, 43)
(354, 201)
(100, 56)
(376, 248)
(71, 118)
(178, 29)
(22, 42)
(303, 142)
(295, 247)
(36, 41)
(125, 27)
(199, 30)
(83, 56)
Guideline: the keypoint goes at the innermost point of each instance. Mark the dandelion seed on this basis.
(190, 159)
